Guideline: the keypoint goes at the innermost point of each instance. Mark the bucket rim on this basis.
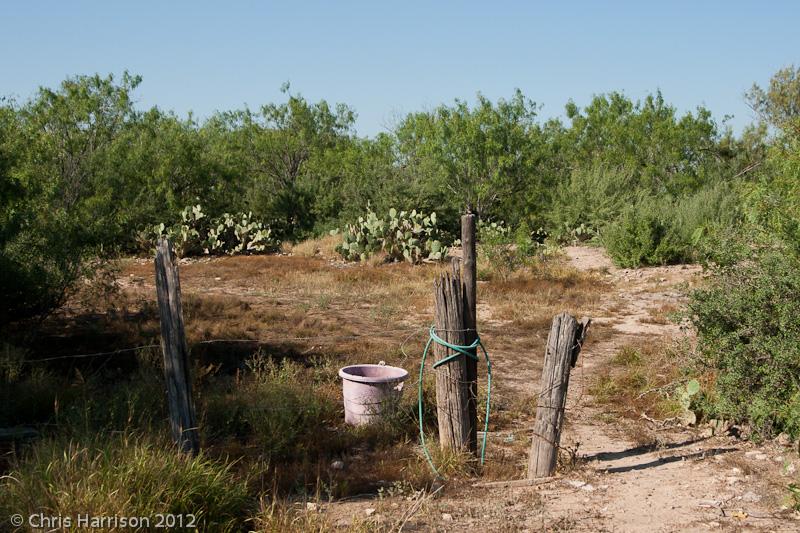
(367, 379)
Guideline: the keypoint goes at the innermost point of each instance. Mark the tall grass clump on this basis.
(278, 407)
(126, 475)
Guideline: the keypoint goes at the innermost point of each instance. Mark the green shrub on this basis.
(747, 320)
(123, 476)
(587, 200)
(659, 231)
(644, 234)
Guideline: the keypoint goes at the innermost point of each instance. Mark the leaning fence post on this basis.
(452, 385)
(176, 352)
(470, 277)
(563, 346)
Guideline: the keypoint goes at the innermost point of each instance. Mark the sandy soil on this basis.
(683, 479)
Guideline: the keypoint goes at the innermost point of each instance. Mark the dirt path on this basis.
(634, 475)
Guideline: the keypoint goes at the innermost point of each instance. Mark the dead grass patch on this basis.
(661, 314)
(324, 247)
(641, 379)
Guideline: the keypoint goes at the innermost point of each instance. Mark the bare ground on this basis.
(629, 475)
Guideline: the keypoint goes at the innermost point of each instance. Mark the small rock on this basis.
(712, 524)
(784, 439)
(337, 465)
(790, 469)
(447, 517)
(217, 279)
(576, 483)
(751, 497)
(588, 487)
(761, 457)
(778, 459)
(736, 471)
(732, 480)
(311, 506)
(369, 512)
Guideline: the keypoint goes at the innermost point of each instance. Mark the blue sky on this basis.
(387, 59)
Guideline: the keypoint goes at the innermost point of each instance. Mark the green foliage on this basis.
(412, 237)
(478, 155)
(82, 172)
(279, 152)
(747, 326)
(644, 234)
(746, 316)
(588, 200)
(123, 476)
(198, 234)
(658, 231)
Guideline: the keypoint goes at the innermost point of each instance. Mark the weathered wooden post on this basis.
(469, 275)
(176, 353)
(563, 347)
(452, 385)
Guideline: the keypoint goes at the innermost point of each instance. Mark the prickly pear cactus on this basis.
(684, 397)
(226, 234)
(403, 236)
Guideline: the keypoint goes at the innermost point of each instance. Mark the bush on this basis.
(644, 235)
(659, 231)
(588, 200)
(123, 476)
(748, 320)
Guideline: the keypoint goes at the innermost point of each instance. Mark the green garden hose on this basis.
(460, 350)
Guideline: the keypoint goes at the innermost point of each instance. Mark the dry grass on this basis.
(641, 380)
(661, 315)
(324, 247)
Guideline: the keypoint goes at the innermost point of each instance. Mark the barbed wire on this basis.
(271, 340)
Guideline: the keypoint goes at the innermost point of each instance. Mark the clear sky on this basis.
(386, 59)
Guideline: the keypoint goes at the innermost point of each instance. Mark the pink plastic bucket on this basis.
(369, 390)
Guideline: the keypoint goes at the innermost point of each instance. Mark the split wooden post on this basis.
(469, 274)
(176, 352)
(563, 347)
(452, 387)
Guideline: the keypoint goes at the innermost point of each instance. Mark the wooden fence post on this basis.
(470, 277)
(563, 347)
(452, 387)
(176, 353)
